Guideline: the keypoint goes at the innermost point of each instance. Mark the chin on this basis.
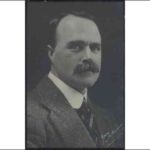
(82, 83)
(87, 83)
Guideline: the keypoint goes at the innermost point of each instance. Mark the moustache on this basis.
(89, 65)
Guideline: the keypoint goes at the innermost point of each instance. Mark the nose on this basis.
(87, 53)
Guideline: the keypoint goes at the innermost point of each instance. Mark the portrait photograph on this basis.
(75, 74)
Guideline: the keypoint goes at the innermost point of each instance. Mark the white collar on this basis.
(74, 97)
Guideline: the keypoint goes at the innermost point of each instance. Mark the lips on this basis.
(86, 73)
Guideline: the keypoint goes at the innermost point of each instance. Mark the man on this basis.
(59, 112)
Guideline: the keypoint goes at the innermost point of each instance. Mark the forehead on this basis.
(77, 28)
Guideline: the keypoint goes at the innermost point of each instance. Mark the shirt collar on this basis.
(74, 97)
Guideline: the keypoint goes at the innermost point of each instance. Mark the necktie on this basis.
(87, 116)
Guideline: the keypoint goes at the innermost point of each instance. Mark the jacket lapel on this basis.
(66, 120)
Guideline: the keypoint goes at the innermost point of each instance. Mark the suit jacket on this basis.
(52, 122)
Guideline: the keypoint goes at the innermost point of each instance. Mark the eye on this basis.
(76, 46)
(95, 47)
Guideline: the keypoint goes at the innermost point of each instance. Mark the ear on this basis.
(50, 52)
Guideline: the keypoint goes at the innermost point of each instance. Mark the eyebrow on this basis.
(80, 42)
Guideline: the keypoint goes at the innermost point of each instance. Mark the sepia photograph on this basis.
(75, 72)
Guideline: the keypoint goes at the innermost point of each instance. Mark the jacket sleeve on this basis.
(36, 133)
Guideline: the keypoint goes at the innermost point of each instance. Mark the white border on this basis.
(137, 74)
(12, 74)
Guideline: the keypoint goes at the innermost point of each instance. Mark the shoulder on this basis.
(37, 119)
(36, 112)
(34, 107)
(41, 102)
(39, 97)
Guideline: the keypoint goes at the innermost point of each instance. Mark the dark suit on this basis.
(52, 122)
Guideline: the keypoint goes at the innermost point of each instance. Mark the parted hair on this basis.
(53, 24)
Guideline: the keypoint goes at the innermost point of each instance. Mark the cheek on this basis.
(98, 59)
(70, 62)
(66, 61)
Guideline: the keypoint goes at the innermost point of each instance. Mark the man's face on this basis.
(77, 56)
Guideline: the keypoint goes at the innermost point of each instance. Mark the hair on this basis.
(53, 24)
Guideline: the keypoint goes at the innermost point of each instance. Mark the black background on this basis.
(109, 89)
